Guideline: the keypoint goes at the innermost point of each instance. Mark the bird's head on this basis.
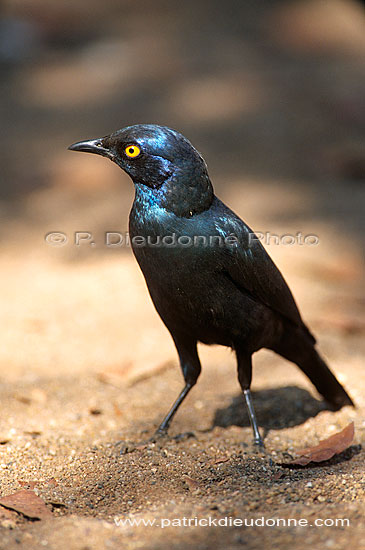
(160, 159)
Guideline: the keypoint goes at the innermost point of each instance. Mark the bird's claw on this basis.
(159, 435)
(162, 435)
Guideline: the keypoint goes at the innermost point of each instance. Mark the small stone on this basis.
(8, 524)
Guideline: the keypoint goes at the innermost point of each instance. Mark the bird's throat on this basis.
(182, 198)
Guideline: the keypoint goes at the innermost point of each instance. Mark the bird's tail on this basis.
(324, 380)
(301, 350)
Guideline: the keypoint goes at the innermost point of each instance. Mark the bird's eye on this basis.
(132, 151)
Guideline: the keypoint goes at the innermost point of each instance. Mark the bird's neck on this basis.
(177, 196)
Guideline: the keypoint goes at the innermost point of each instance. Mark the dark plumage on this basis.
(226, 292)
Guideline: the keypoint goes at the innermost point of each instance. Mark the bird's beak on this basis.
(92, 146)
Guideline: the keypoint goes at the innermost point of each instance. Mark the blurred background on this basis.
(271, 93)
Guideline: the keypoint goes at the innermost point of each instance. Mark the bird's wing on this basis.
(246, 262)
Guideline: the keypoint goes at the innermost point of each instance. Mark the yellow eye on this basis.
(132, 151)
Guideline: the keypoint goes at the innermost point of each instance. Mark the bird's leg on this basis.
(244, 365)
(190, 366)
(163, 427)
(252, 417)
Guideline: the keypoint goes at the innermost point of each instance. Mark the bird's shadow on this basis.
(276, 409)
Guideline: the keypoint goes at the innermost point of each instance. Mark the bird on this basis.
(208, 275)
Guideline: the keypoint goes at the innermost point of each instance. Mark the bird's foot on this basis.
(158, 438)
(126, 447)
(162, 435)
(255, 447)
(258, 441)
(184, 436)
